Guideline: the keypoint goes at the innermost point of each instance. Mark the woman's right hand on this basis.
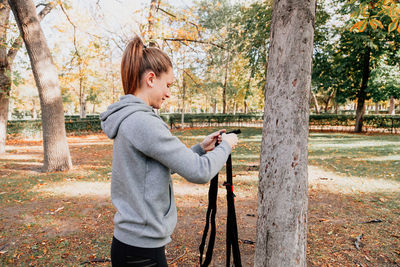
(231, 138)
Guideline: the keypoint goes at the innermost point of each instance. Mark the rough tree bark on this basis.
(56, 151)
(362, 93)
(6, 62)
(282, 194)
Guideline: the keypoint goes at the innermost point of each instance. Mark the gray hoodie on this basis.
(144, 154)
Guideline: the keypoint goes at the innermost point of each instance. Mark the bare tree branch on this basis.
(73, 25)
(185, 20)
(191, 77)
(17, 44)
(194, 41)
(46, 10)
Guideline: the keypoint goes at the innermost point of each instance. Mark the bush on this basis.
(76, 126)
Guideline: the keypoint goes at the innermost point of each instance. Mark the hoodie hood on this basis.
(116, 113)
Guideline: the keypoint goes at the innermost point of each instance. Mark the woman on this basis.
(144, 155)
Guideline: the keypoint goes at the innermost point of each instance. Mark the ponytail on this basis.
(137, 59)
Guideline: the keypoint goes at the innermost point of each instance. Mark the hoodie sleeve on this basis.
(149, 135)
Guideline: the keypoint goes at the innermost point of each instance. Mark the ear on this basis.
(149, 78)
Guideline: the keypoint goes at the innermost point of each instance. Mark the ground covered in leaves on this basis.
(65, 219)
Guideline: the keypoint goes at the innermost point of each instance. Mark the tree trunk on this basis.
(82, 95)
(225, 84)
(150, 34)
(6, 62)
(56, 151)
(215, 107)
(391, 106)
(183, 101)
(376, 108)
(328, 101)
(283, 185)
(4, 102)
(34, 110)
(5, 74)
(315, 102)
(362, 95)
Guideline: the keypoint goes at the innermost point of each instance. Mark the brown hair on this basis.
(137, 59)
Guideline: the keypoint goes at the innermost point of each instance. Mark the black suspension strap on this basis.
(231, 225)
(211, 210)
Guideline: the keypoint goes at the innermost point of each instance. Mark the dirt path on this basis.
(318, 179)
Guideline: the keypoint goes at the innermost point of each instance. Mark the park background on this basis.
(219, 51)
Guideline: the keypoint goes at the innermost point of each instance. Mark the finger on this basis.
(217, 133)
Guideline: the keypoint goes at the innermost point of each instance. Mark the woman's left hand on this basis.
(208, 143)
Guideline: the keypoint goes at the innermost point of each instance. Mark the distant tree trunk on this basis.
(82, 95)
(283, 185)
(56, 151)
(215, 107)
(328, 101)
(150, 33)
(34, 111)
(225, 85)
(362, 93)
(315, 102)
(376, 108)
(183, 101)
(391, 106)
(6, 62)
(245, 106)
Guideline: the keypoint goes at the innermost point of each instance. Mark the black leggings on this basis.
(125, 255)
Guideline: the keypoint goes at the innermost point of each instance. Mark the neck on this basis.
(142, 96)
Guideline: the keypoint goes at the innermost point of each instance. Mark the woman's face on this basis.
(161, 88)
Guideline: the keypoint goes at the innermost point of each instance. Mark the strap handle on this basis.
(231, 234)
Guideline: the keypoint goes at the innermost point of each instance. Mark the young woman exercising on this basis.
(144, 155)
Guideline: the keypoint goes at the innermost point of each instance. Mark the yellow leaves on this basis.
(361, 25)
(374, 23)
(388, 8)
(394, 25)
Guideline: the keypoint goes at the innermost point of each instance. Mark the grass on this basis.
(49, 230)
(373, 156)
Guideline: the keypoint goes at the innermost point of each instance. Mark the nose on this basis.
(168, 94)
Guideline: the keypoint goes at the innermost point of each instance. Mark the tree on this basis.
(6, 63)
(216, 17)
(56, 151)
(385, 84)
(282, 194)
(251, 39)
